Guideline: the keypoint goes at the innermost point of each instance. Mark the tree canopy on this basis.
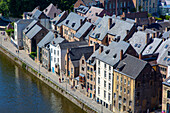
(15, 8)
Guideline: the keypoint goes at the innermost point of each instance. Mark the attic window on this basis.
(114, 56)
(166, 46)
(139, 45)
(136, 45)
(107, 52)
(67, 21)
(150, 47)
(73, 24)
(99, 26)
(97, 35)
(165, 58)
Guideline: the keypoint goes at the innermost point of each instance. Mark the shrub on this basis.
(9, 31)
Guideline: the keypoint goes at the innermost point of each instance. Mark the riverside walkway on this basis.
(23, 56)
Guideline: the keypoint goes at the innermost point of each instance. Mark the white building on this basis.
(19, 26)
(58, 52)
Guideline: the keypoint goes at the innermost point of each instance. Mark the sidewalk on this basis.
(55, 78)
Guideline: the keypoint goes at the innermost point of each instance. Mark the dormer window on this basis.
(67, 21)
(107, 52)
(73, 24)
(115, 55)
(97, 35)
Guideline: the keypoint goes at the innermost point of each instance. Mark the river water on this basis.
(20, 92)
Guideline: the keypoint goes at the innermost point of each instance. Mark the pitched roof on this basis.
(167, 81)
(73, 21)
(57, 19)
(77, 53)
(138, 41)
(32, 24)
(119, 28)
(89, 2)
(91, 14)
(166, 35)
(37, 14)
(50, 10)
(131, 66)
(47, 39)
(152, 47)
(83, 29)
(72, 44)
(57, 40)
(24, 21)
(33, 31)
(82, 9)
(111, 55)
(101, 29)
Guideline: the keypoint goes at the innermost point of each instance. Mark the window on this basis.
(108, 96)
(98, 90)
(128, 92)
(120, 88)
(51, 58)
(109, 68)
(54, 59)
(82, 61)
(104, 84)
(130, 103)
(138, 84)
(104, 74)
(109, 76)
(105, 66)
(65, 62)
(117, 78)
(168, 94)
(124, 90)
(115, 95)
(51, 50)
(128, 83)
(91, 88)
(98, 80)
(121, 79)
(109, 86)
(72, 70)
(88, 68)
(91, 69)
(125, 81)
(91, 78)
(138, 95)
(117, 86)
(58, 60)
(54, 52)
(87, 85)
(99, 63)
(58, 52)
(124, 100)
(104, 94)
(87, 76)
(82, 68)
(99, 71)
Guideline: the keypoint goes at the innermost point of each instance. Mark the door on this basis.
(53, 69)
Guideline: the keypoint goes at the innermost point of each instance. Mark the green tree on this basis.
(4, 8)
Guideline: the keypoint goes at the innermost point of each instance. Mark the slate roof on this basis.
(101, 29)
(111, 55)
(91, 14)
(50, 10)
(33, 31)
(120, 28)
(32, 24)
(36, 14)
(47, 39)
(57, 19)
(166, 35)
(152, 47)
(72, 44)
(77, 53)
(89, 2)
(163, 57)
(83, 29)
(82, 9)
(131, 66)
(138, 41)
(73, 21)
(57, 40)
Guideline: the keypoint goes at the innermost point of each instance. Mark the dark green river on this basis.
(20, 92)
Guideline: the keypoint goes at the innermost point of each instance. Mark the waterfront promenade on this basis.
(23, 56)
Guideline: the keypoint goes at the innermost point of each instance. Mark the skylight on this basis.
(150, 47)
(136, 45)
(67, 21)
(166, 46)
(89, 11)
(99, 26)
(139, 45)
(165, 58)
(168, 59)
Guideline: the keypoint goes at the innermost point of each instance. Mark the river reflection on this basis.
(20, 92)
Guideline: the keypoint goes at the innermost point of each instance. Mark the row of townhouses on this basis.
(122, 63)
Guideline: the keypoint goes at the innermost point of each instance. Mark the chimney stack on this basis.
(136, 20)
(157, 34)
(121, 54)
(140, 56)
(109, 23)
(55, 35)
(94, 48)
(67, 50)
(147, 38)
(100, 49)
(127, 32)
(90, 20)
(81, 22)
(143, 27)
(166, 29)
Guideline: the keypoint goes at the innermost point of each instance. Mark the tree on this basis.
(4, 8)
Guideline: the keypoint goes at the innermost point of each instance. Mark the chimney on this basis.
(52, 42)
(81, 21)
(121, 54)
(90, 20)
(143, 27)
(127, 32)
(55, 35)
(100, 49)
(157, 34)
(166, 29)
(93, 28)
(163, 39)
(147, 38)
(140, 56)
(67, 50)
(153, 35)
(136, 20)
(109, 23)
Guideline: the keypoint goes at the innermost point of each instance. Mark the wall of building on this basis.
(165, 99)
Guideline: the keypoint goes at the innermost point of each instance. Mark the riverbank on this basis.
(51, 79)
